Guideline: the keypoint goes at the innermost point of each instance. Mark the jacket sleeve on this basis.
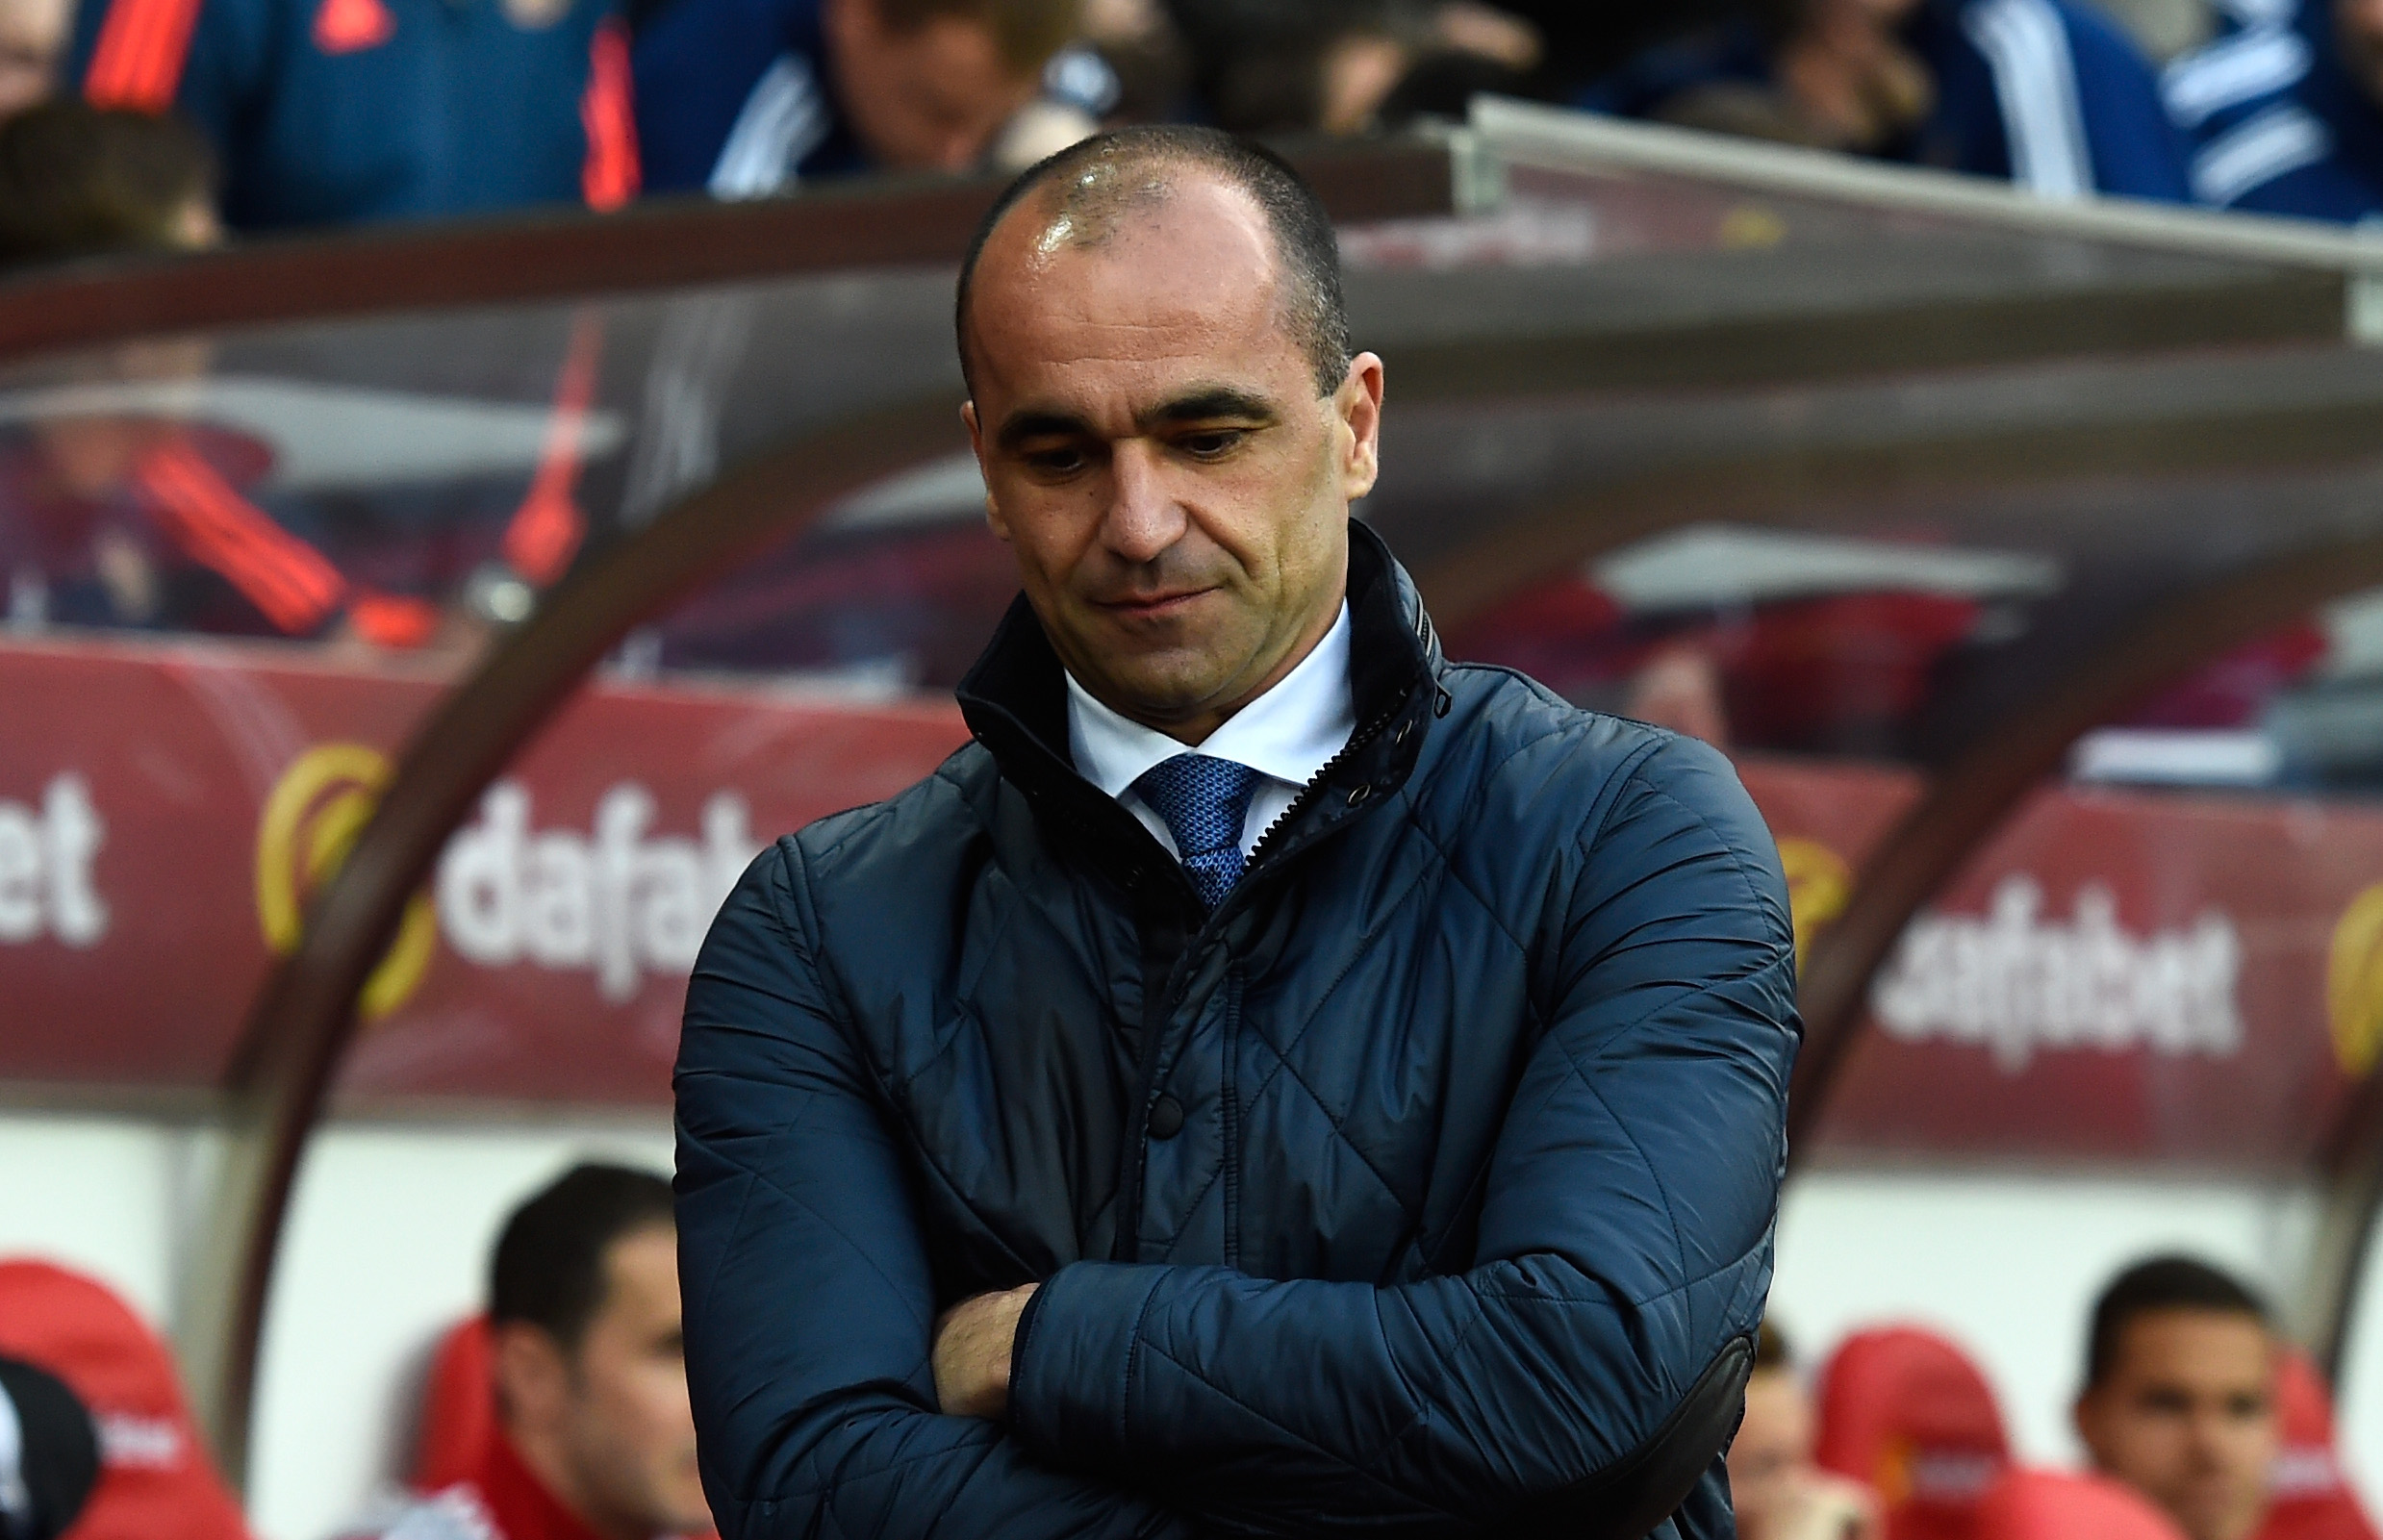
(808, 1305)
(1624, 1238)
(207, 60)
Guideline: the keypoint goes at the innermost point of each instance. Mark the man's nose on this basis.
(1144, 517)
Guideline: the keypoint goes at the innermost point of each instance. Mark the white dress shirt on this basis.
(1286, 735)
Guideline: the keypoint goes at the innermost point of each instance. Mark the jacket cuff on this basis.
(1071, 1369)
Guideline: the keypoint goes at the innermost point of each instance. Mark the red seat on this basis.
(2053, 1506)
(459, 1407)
(2311, 1499)
(155, 1476)
(1906, 1411)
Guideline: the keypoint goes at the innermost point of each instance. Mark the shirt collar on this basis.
(1287, 734)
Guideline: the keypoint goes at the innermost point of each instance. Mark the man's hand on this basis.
(973, 1342)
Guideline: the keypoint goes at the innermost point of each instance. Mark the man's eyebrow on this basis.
(1218, 403)
(1020, 427)
(1212, 404)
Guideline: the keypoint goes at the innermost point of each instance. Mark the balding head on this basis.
(1088, 194)
(1167, 421)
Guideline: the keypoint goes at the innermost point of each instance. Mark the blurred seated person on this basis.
(77, 180)
(1147, 56)
(1583, 39)
(108, 1448)
(121, 520)
(744, 98)
(332, 111)
(33, 34)
(2049, 94)
(49, 1454)
(2282, 107)
(1681, 688)
(2179, 1395)
(1351, 67)
(1778, 1491)
(593, 1439)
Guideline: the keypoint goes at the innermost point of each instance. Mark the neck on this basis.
(543, 1452)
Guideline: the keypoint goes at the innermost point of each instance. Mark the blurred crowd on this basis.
(315, 113)
(559, 1411)
(169, 125)
(2197, 1420)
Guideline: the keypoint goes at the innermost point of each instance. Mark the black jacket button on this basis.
(1166, 1118)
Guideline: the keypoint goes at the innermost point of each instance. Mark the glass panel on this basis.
(1840, 486)
(240, 569)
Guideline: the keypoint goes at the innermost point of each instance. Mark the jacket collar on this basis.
(1015, 702)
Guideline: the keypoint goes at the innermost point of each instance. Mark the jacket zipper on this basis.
(1128, 1244)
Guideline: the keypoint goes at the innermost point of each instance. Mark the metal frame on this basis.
(1968, 798)
(1527, 133)
(394, 269)
(305, 1018)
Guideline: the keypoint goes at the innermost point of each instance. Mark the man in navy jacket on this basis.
(2283, 109)
(1274, 1079)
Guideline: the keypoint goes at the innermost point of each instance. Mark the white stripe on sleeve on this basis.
(2234, 70)
(783, 120)
(2283, 139)
(2026, 47)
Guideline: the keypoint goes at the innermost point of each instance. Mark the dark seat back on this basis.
(1629, 1498)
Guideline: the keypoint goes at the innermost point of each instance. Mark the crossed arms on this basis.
(1622, 1240)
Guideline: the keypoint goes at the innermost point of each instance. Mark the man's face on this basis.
(1773, 1445)
(1156, 449)
(929, 99)
(2186, 1416)
(2358, 27)
(615, 1412)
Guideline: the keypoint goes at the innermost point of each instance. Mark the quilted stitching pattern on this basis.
(1481, 1104)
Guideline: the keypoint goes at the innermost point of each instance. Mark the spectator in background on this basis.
(49, 1454)
(1778, 1491)
(2282, 107)
(33, 33)
(2179, 1395)
(331, 112)
(595, 1441)
(2045, 93)
(77, 180)
(1345, 66)
(114, 518)
(743, 99)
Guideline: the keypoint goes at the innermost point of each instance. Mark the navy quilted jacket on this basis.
(1421, 1178)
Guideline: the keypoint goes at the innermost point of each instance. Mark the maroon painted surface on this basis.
(2120, 975)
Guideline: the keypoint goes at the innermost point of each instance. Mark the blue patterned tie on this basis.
(1204, 800)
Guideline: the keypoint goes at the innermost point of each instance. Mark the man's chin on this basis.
(1156, 685)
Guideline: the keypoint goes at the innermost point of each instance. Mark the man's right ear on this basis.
(532, 1374)
(976, 441)
(2081, 1417)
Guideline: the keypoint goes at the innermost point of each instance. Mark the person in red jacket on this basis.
(592, 1437)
